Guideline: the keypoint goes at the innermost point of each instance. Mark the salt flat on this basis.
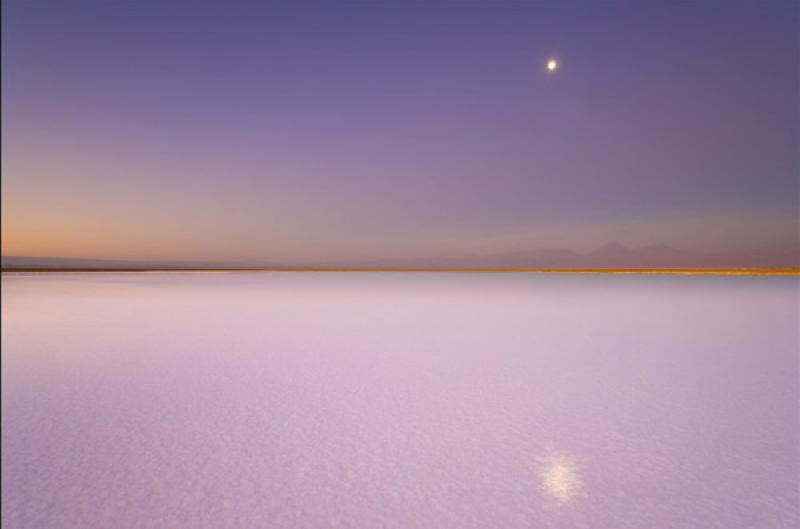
(399, 400)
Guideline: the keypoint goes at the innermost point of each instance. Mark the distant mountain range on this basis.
(14, 261)
(612, 255)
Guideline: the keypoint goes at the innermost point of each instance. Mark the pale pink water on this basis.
(400, 400)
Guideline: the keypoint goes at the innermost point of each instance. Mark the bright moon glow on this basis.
(558, 476)
(552, 64)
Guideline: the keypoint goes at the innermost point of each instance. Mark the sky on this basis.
(331, 131)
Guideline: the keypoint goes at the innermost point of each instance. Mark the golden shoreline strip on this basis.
(673, 271)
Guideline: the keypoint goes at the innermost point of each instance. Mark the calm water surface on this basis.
(373, 400)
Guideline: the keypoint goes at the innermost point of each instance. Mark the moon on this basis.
(552, 65)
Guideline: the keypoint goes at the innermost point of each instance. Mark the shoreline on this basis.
(666, 271)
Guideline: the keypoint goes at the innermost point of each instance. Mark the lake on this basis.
(400, 400)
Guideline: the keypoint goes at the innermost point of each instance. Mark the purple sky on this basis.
(338, 130)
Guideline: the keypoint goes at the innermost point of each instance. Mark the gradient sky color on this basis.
(313, 131)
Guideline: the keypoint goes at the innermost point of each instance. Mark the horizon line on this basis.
(674, 271)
